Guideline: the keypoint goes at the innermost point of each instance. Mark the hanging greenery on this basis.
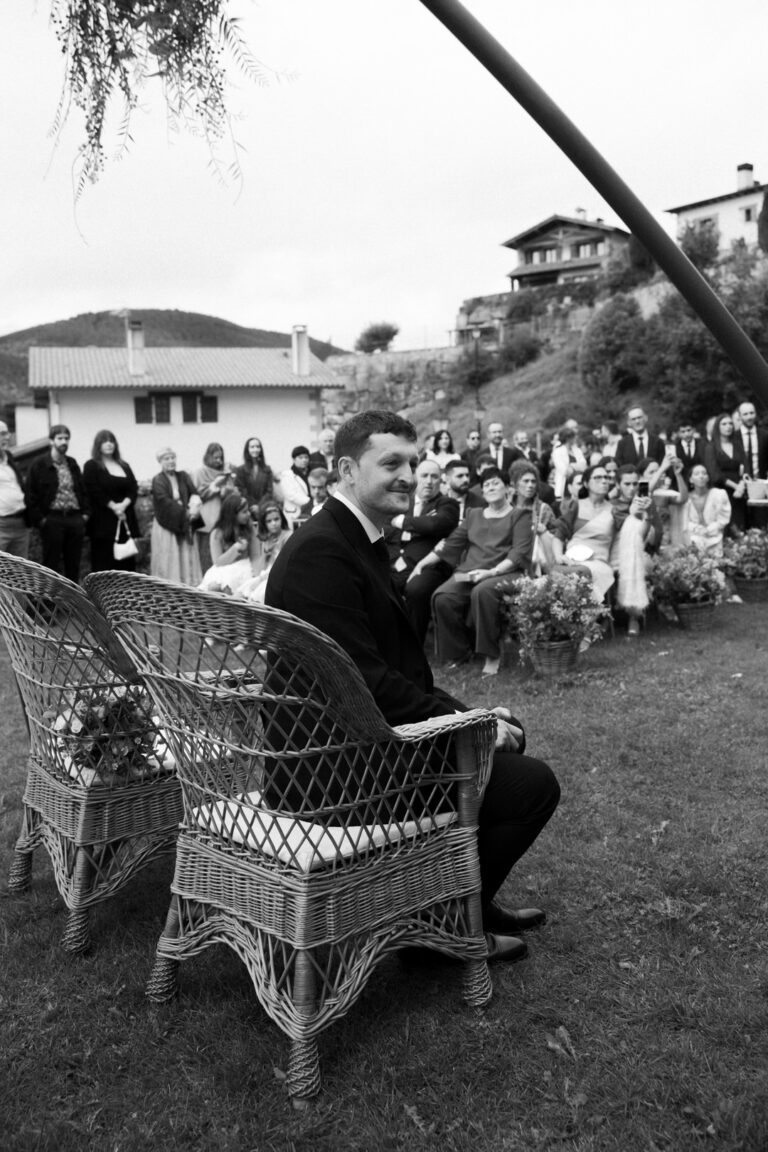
(112, 47)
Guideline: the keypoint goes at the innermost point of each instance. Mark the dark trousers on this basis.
(468, 616)
(418, 596)
(62, 540)
(521, 795)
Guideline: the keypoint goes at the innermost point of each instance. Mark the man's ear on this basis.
(344, 467)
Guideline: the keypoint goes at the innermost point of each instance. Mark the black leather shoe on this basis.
(510, 921)
(505, 948)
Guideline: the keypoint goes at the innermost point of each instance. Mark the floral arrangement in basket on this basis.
(108, 736)
(748, 556)
(686, 576)
(551, 608)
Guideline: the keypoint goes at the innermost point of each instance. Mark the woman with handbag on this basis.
(112, 488)
(177, 508)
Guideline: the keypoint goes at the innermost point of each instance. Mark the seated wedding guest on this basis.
(274, 533)
(323, 456)
(488, 553)
(254, 476)
(584, 533)
(294, 486)
(442, 451)
(317, 482)
(458, 476)
(526, 494)
(706, 513)
(14, 530)
(176, 505)
(612, 468)
(430, 517)
(482, 464)
(235, 553)
(726, 462)
(112, 490)
(669, 491)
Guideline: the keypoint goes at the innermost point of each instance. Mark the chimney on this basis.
(134, 334)
(581, 213)
(744, 177)
(300, 350)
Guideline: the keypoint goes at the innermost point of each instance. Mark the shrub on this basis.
(559, 606)
(686, 575)
(747, 556)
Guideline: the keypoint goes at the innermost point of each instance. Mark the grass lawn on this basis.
(639, 1023)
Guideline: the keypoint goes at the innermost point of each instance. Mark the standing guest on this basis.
(294, 483)
(638, 443)
(212, 480)
(500, 455)
(177, 507)
(323, 457)
(430, 517)
(57, 504)
(254, 476)
(332, 574)
(317, 482)
(471, 452)
(14, 530)
(112, 489)
(521, 448)
(442, 451)
(566, 460)
(609, 436)
(755, 444)
(725, 462)
(706, 514)
(688, 448)
(493, 542)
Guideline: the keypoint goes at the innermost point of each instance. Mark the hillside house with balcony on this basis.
(562, 250)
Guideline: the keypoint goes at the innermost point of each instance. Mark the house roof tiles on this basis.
(188, 367)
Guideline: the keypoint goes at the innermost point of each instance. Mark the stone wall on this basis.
(395, 380)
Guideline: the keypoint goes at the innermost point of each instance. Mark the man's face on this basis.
(521, 440)
(628, 485)
(326, 442)
(685, 432)
(495, 434)
(301, 461)
(637, 419)
(458, 481)
(382, 480)
(61, 443)
(317, 489)
(473, 440)
(427, 480)
(748, 415)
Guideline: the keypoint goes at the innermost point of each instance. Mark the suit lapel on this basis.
(356, 537)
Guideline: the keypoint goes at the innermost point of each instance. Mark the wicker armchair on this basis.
(316, 839)
(101, 795)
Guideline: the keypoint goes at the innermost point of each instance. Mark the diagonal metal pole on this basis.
(690, 283)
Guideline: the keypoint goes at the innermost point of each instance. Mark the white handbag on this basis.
(128, 547)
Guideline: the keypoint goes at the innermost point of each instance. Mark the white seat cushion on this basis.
(302, 843)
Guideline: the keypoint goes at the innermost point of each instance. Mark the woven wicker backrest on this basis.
(260, 707)
(89, 718)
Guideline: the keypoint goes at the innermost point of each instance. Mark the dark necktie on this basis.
(380, 551)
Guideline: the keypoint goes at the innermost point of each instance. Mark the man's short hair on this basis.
(57, 429)
(353, 437)
(483, 460)
(318, 474)
(627, 470)
(452, 465)
(612, 427)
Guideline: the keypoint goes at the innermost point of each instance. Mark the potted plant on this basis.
(551, 617)
(746, 561)
(691, 582)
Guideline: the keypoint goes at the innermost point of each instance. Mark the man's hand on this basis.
(508, 736)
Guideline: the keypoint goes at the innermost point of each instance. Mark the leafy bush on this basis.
(611, 358)
(559, 606)
(686, 575)
(519, 349)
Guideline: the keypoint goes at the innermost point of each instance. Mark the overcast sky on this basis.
(381, 179)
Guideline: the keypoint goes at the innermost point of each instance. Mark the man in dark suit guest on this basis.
(688, 449)
(335, 574)
(521, 448)
(457, 486)
(58, 505)
(471, 452)
(638, 443)
(755, 443)
(500, 455)
(322, 457)
(317, 482)
(430, 517)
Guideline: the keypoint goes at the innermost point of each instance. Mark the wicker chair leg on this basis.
(303, 1072)
(163, 983)
(77, 934)
(20, 875)
(477, 983)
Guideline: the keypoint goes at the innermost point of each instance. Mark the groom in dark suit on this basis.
(334, 573)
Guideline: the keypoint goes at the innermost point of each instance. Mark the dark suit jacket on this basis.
(762, 454)
(329, 575)
(508, 455)
(532, 457)
(690, 462)
(626, 453)
(43, 484)
(439, 516)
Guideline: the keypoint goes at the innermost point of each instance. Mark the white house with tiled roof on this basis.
(734, 214)
(182, 397)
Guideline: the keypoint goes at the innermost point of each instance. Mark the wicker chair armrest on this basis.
(475, 736)
(453, 722)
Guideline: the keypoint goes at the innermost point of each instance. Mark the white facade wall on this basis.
(280, 417)
(728, 216)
